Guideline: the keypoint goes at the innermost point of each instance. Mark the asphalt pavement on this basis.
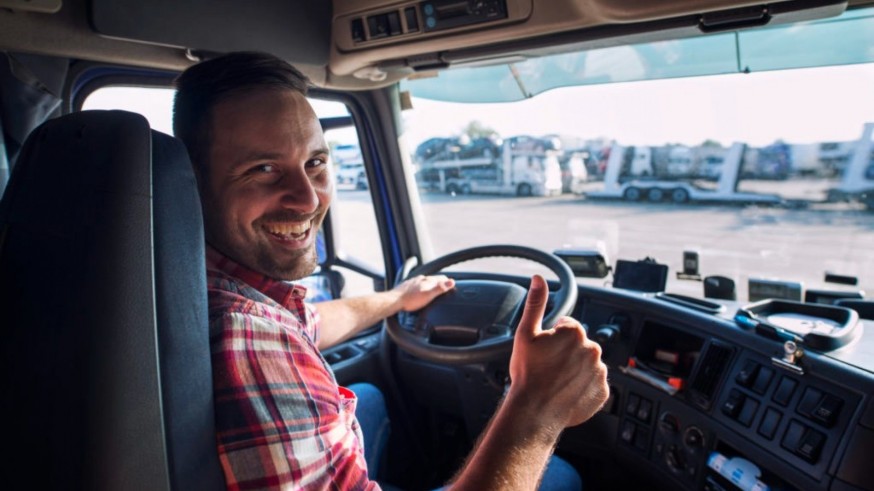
(732, 240)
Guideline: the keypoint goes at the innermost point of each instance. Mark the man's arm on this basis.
(342, 318)
(557, 381)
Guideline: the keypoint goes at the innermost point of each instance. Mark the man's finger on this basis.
(535, 306)
(443, 281)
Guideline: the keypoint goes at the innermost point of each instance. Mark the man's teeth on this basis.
(288, 229)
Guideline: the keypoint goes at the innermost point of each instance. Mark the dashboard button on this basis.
(826, 412)
(809, 401)
(811, 445)
(769, 424)
(632, 403)
(763, 380)
(412, 21)
(748, 411)
(357, 28)
(628, 431)
(731, 406)
(784, 391)
(644, 411)
(794, 434)
(394, 23)
(378, 26)
(747, 374)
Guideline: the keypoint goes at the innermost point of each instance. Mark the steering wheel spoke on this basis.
(474, 322)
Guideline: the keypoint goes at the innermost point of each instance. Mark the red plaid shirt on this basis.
(282, 422)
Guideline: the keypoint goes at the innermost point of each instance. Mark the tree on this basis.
(475, 129)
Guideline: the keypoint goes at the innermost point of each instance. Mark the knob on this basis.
(693, 438)
(609, 333)
(606, 335)
(675, 459)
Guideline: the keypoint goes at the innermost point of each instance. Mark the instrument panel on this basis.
(702, 403)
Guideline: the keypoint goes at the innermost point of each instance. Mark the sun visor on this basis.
(299, 32)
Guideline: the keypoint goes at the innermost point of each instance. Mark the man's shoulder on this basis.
(230, 295)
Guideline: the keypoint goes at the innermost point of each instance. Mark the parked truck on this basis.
(522, 170)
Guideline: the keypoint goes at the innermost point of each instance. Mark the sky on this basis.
(798, 106)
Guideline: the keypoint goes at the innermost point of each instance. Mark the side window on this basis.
(355, 233)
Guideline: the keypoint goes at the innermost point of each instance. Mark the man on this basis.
(263, 170)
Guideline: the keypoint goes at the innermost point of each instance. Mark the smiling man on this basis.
(282, 421)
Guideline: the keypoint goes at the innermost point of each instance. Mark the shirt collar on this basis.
(283, 292)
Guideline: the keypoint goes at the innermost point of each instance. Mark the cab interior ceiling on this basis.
(316, 35)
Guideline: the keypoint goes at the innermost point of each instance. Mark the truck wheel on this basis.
(465, 189)
(524, 189)
(655, 195)
(451, 189)
(632, 194)
(679, 195)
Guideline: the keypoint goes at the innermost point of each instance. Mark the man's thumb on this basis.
(535, 306)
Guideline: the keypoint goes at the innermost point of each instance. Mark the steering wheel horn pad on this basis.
(475, 321)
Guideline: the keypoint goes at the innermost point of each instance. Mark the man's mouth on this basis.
(289, 231)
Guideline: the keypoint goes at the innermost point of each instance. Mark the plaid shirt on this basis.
(282, 422)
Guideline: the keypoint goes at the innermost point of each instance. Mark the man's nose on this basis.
(298, 193)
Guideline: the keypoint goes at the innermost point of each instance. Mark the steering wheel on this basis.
(475, 321)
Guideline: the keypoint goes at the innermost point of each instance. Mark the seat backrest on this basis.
(105, 349)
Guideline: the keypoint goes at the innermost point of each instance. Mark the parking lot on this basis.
(733, 240)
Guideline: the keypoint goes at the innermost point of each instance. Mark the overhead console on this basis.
(426, 18)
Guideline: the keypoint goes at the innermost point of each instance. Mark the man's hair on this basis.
(202, 86)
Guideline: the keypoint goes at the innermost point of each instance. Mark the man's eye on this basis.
(263, 169)
(316, 163)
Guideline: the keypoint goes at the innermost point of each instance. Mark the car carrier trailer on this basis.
(857, 183)
(659, 190)
(512, 171)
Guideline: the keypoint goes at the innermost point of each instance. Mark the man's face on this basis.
(268, 184)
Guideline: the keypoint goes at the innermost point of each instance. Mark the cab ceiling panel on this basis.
(415, 33)
(298, 31)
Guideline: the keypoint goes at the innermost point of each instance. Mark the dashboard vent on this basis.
(713, 364)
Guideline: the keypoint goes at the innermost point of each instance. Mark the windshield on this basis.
(763, 175)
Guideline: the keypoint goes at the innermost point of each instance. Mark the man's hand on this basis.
(556, 371)
(557, 380)
(344, 317)
(417, 292)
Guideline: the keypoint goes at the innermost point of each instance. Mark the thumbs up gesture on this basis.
(557, 370)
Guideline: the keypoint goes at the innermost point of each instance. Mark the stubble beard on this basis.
(292, 269)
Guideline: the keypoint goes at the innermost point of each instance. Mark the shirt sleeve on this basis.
(281, 422)
(313, 323)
